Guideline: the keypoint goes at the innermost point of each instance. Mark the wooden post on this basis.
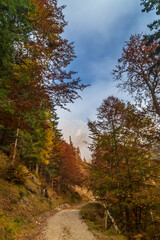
(114, 224)
(107, 214)
(106, 219)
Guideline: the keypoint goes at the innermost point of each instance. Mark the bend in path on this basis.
(67, 225)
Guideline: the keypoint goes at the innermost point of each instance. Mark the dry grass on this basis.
(23, 208)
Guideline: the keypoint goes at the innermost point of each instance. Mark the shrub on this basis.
(16, 173)
(94, 212)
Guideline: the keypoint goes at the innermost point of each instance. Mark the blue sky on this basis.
(99, 29)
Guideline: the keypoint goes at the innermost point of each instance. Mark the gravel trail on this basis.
(67, 225)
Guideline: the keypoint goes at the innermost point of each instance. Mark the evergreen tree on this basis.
(150, 5)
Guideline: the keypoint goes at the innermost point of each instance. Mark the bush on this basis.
(4, 163)
(16, 173)
(12, 172)
(94, 212)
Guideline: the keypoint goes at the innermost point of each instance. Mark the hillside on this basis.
(22, 205)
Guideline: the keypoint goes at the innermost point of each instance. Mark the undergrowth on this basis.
(93, 214)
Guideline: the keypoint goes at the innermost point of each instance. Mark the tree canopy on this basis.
(123, 173)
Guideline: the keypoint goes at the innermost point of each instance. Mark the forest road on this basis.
(67, 225)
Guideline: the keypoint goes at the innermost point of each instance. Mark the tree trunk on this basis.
(106, 220)
(37, 168)
(156, 103)
(4, 137)
(15, 146)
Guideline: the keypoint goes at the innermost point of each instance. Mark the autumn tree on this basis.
(123, 173)
(52, 152)
(71, 166)
(134, 75)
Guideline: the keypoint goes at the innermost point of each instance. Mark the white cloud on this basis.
(96, 15)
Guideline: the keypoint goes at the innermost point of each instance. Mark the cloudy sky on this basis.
(99, 29)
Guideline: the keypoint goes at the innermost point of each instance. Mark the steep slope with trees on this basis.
(33, 79)
(33, 82)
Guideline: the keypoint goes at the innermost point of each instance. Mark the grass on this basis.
(22, 205)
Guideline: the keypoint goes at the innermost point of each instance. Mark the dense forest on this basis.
(33, 82)
(124, 172)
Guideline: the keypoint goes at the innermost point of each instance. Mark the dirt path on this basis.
(67, 225)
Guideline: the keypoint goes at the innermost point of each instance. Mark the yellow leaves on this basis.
(37, 10)
(26, 69)
(46, 162)
(50, 142)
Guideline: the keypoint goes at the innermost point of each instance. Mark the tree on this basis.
(150, 5)
(123, 173)
(14, 30)
(33, 141)
(52, 52)
(71, 166)
(133, 73)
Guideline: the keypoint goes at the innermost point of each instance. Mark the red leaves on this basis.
(52, 52)
(136, 74)
(71, 165)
